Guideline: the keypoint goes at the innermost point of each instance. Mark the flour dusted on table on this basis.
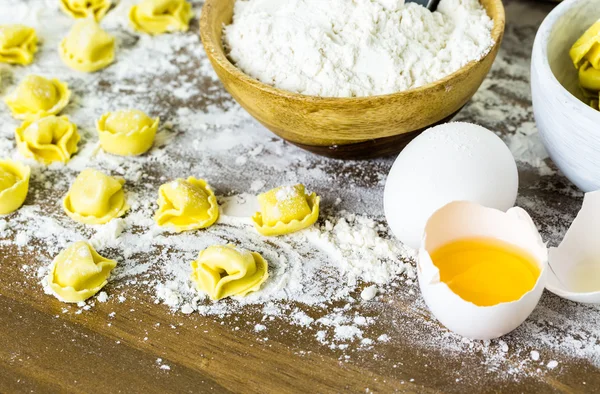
(342, 48)
(309, 294)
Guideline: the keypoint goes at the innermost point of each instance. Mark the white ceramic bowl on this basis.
(569, 128)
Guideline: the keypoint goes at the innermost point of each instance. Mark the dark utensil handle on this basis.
(431, 5)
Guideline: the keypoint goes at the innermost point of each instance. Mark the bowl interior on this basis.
(567, 29)
(222, 15)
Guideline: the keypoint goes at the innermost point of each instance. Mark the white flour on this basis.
(342, 48)
(317, 276)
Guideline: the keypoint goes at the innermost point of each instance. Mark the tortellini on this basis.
(587, 48)
(79, 272)
(36, 97)
(589, 78)
(87, 47)
(95, 198)
(285, 210)
(161, 16)
(48, 139)
(223, 271)
(85, 8)
(585, 54)
(186, 205)
(18, 44)
(14, 184)
(127, 133)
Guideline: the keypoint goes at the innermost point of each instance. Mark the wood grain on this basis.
(47, 347)
(309, 121)
(52, 351)
(114, 346)
(369, 149)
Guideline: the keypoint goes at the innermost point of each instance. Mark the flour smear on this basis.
(341, 281)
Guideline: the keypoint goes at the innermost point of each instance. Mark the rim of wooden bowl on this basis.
(494, 9)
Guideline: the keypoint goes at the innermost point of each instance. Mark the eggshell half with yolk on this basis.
(459, 220)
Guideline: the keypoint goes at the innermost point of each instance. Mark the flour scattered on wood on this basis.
(164, 367)
(344, 283)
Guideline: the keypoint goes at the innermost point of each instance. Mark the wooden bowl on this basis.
(346, 128)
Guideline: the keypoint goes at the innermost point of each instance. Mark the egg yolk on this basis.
(486, 271)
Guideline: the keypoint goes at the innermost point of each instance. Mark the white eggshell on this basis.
(463, 219)
(575, 264)
(450, 162)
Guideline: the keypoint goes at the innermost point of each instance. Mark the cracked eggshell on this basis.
(575, 264)
(462, 219)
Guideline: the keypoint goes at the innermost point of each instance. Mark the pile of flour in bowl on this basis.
(343, 48)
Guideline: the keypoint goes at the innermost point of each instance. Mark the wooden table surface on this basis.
(47, 346)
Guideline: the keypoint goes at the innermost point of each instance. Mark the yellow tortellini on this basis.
(589, 77)
(79, 272)
(186, 205)
(161, 16)
(286, 209)
(95, 198)
(48, 139)
(126, 133)
(223, 271)
(587, 48)
(36, 97)
(585, 54)
(86, 8)
(18, 44)
(87, 47)
(14, 185)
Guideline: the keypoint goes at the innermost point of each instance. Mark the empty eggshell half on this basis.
(460, 220)
(575, 264)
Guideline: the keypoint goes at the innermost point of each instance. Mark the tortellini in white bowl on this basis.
(36, 97)
(285, 210)
(186, 205)
(95, 198)
(161, 16)
(87, 48)
(18, 44)
(79, 272)
(127, 132)
(86, 8)
(14, 185)
(224, 271)
(47, 140)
